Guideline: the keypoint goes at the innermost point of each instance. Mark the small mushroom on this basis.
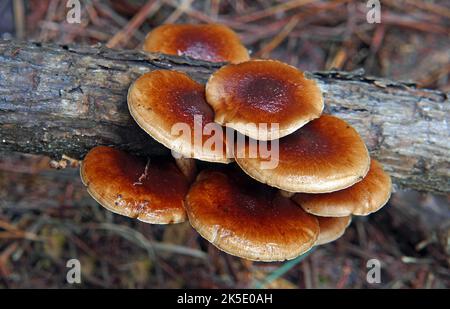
(324, 156)
(152, 191)
(268, 92)
(171, 107)
(248, 219)
(362, 199)
(332, 228)
(209, 42)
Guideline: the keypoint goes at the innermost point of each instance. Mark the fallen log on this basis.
(57, 100)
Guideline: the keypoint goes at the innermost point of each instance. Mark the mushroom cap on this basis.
(325, 155)
(152, 191)
(248, 219)
(163, 101)
(332, 228)
(208, 42)
(263, 92)
(362, 199)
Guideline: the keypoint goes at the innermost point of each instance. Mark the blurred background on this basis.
(48, 218)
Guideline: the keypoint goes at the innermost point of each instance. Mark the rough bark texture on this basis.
(58, 100)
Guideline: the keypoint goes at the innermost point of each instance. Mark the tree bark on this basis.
(57, 100)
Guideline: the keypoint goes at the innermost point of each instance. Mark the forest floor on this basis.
(48, 218)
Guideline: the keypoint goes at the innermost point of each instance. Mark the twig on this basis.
(307, 275)
(142, 241)
(118, 19)
(269, 47)
(19, 18)
(346, 271)
(180, 10)
(282, 270)
(123, 36)
(4, 257)
(283, 7)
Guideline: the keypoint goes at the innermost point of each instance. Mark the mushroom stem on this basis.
(186, 165)
(286, 194)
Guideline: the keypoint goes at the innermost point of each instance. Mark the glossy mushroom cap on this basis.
(151, 190)
(250, 220)
(324, 156)
(332, 228)
(171, 108)
(264, 92)
(208, 42)
(362, 199)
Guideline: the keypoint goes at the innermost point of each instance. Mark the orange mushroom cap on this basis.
(151, 190)
(209, 42)
(324, 156)
(332, 228)
(362, 199)
(248, 219)
(161, 100)
(267, 92)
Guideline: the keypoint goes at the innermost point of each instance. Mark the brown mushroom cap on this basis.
(332, 228)
(263, 92)
(363, 198)
(245, 218)
(161, 100)
(209, 42)
(152, 190)
(324, 156)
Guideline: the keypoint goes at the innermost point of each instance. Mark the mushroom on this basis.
(171, 107)
(252, 96)
(332, 228)
(363, 198)
(152, 191)
(248, 219)
(325, 155)
(322, 164)
(209, 42)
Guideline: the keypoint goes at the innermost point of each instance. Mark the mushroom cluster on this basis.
(321, 173)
